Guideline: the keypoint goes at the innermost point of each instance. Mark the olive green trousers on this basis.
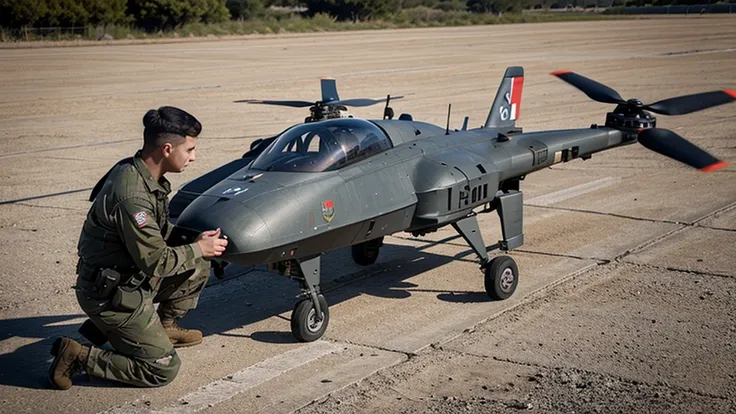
(143, 354)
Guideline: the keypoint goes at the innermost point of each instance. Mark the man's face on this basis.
(179, 156)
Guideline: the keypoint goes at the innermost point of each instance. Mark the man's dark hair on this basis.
(168, 124)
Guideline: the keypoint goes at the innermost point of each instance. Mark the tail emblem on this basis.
(513, 99)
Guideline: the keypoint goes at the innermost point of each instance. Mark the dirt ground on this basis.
(627, 297)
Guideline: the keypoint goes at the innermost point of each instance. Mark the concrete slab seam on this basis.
(602, 213)
(326, 396)
(670, 233)
(224, 389)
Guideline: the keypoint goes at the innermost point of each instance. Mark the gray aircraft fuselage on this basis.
(327, 184)
(427, 180)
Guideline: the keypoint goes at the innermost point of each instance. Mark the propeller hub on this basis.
(635, 102)
(630, 118)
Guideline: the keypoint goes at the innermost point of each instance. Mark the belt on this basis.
(90, 273)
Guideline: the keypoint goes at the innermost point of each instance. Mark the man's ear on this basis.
(167, 149)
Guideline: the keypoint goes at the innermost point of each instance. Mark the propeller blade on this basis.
(294, 104)
(669, 144)
(595, 90)
(329, 90)
(363, 101)
(691, 103)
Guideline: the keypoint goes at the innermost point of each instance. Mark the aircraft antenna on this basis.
(447, 128)
(388, 113)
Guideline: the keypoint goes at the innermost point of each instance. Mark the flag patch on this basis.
(141, 218)
(328, 210)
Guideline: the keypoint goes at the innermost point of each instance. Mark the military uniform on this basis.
(125, 232)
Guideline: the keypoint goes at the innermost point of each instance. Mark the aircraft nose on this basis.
(245, 229)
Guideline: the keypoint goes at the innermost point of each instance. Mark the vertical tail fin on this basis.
(507, 105)
(329, 90)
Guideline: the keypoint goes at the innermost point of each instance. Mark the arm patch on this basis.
(141, 218)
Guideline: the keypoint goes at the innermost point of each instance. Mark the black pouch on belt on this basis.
(106, 282)
(128, 295)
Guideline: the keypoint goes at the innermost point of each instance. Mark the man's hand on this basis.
(210, 243)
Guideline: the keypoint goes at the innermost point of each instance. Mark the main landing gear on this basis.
(501, 275)
(366, 253)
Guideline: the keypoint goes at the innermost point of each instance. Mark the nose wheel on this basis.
(306, 325)
(501, 277)
(311, 315)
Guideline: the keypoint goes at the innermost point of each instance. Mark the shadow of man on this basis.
(27, 365)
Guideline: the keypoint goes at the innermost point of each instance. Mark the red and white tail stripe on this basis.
(517, 84)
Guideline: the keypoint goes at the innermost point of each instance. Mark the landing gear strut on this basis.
(501, 273)
(311, 315)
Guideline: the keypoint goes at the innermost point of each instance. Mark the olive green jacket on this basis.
(128, 225)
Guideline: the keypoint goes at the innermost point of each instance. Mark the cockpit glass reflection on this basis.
(323, 146)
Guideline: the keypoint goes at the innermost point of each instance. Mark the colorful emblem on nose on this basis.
(328, 210)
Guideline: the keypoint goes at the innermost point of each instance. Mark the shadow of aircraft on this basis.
(246, 296)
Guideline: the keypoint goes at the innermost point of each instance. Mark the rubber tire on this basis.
(366, 253)
(494, 275)
(300, 317)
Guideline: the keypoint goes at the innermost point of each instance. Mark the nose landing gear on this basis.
(306, 325)
(311, 315)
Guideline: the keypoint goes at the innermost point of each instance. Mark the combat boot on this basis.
(70, 360)
(179, 336)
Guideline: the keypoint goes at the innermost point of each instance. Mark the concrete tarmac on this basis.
(626, 297)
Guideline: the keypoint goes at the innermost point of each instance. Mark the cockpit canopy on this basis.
(323, 146)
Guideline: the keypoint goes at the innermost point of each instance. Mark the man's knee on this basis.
(163, 370)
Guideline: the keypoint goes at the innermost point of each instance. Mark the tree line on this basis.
(155, 15)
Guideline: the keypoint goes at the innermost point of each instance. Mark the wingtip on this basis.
(560, 72)
(730, 92)
(715, 166)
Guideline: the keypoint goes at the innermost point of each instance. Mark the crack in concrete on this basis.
(715, 228)
(568, 256)
(680, 270)
(601, 213)
(408, 354)
(51, 207)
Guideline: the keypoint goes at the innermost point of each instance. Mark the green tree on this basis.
(451, 5)
(353, 10)
(104, 12)
(14, 13)
(215, 11)
(497, 6)
(153, 15)
(64, 13)
(244, 9)
(410, 4)
(482, 6)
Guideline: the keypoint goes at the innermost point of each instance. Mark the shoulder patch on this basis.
(141, 218)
